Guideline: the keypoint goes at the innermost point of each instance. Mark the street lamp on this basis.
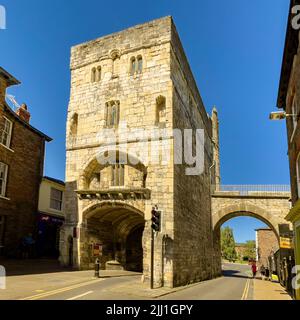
(279, 115)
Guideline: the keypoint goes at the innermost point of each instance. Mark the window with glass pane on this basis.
(56, 199)
(6, 133)
(3, 178)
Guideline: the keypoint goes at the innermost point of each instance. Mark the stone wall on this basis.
(193, 241)
(266, 245)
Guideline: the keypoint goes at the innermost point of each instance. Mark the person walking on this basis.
(263, 272)
(254, 269)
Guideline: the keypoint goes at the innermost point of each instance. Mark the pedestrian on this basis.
(28, 246)
(254, 269)
(263, 272)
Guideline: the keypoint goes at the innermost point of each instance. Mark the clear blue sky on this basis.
(234, 48)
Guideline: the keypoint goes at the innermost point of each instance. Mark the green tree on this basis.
(228, 244)
(250, 251)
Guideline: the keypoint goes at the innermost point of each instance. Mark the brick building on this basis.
(21, 170)
(289, 101)
(140, 76)
(266, 245)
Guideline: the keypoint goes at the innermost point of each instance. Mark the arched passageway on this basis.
(118, 228)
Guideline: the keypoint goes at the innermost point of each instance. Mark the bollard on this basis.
(97, 268)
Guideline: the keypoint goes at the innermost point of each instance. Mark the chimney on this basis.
(23, 113)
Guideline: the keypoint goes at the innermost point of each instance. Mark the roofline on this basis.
(264, 229)
(54, 180)
(7, 107)
(290, 49)
(11, 80)
(119, 32)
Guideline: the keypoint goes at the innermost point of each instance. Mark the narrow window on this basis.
(56, 199)
(140, 64)
(112, 113)
(6, 133)
(98, 78)
(118, 171)
(74, 124)
(132, 66)
(3, 178)
(160, 110)
(93, 77)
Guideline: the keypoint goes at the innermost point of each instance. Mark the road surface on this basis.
(234, 285)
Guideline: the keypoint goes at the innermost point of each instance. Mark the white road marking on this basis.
(80, 296)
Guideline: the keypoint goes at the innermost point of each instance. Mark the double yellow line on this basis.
(246, 290)
(57, 291)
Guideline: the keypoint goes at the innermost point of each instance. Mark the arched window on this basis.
(132, 66)
(74, 124)
(93, 76)
(140, 64)
(98, 77)
(161, 111)
(112, 113)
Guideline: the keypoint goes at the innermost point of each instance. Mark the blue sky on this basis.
(234, 48)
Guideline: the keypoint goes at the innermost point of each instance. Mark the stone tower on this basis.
(137, 79)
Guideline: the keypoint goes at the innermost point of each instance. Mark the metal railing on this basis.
(252, 190)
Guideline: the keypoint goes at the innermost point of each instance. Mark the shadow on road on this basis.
(234, 274)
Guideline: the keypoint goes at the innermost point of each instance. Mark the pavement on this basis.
(267, 290)
(46, 280)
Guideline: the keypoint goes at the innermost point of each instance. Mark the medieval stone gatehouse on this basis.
(140, 77)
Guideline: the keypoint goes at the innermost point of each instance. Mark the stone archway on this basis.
(270, 212)
(119, 228)
(238, 210)
(96, 164)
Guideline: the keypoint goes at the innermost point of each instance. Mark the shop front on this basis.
(48, 236)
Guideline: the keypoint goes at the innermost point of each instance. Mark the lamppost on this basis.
(280, 115)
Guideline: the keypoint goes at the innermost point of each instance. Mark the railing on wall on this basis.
(252, 190)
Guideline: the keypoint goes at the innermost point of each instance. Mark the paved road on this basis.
(235, 285)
